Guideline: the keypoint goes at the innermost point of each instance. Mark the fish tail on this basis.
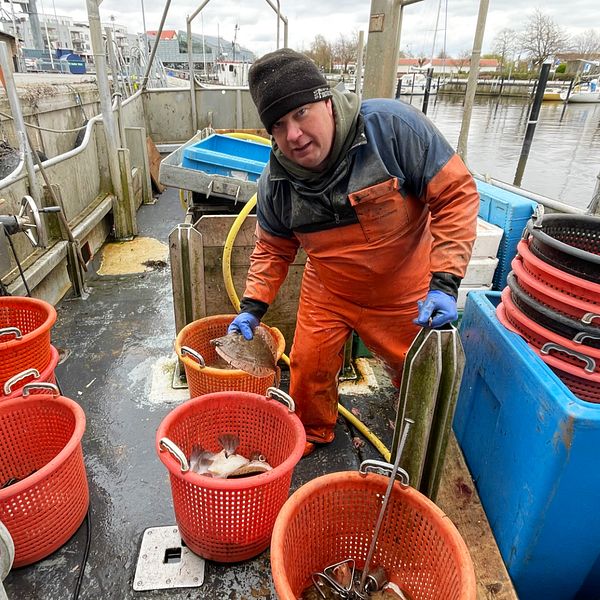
(229, 442)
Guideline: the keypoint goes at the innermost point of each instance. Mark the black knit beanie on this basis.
(283, 80)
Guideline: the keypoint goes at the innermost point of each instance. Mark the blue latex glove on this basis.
(436, 310)
(244, 323)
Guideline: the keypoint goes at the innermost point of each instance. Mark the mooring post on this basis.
(531, 124)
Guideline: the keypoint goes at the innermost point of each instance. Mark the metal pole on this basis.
(427, 90)
(19, 124)
(145, 38)
(359, 64)
(110, 130)
(47, 36)
(385, 25)
(594, 206)
(113, 61)
(531, 124)
(472, 81)
(155, 47)
(192, 77)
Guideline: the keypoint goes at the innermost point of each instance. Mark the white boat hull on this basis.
(584, 97)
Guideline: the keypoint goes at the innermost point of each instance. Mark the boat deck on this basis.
(118, 363)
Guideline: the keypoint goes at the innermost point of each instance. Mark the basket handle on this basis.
(194, 354)
(582, 335)
(166, 444)
(383, 468)
(45, 385)
(14, 330)
(280, 395)
(590, 363)
(8, 384)
(589, 317)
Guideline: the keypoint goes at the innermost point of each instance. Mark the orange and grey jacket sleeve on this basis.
(454, 204)
(269, 264)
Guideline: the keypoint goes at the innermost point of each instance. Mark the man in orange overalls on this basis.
(385, 210)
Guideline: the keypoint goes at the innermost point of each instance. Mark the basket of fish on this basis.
(419, 554)
(215, 361)
(230, 457)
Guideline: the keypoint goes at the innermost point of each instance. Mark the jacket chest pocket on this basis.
(381, 210)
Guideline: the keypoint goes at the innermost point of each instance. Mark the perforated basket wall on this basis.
(40, 444)
(34, 319)
(229, 520)
(332, 518)
(208, 379)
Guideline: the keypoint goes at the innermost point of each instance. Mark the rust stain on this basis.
(565, 433)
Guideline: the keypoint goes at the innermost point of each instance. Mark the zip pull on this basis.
(337, 218)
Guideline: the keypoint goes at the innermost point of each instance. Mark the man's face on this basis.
(305, 134)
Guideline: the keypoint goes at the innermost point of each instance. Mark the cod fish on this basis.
(257, 356)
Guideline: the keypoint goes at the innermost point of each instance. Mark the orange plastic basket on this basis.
(40, 444)
(206, 379)
(14, 386)
(25, 325)
(332, 518)
(228, 520)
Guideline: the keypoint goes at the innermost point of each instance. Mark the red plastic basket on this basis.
(583, 385)
(536, 287)
(332, 518)
(25, 325)
(229, 520)
(206, 379)
(40, 444)
(568, 284)
(547, 341)
(14, 386)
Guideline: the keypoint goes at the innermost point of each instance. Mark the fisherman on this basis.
(385, 210)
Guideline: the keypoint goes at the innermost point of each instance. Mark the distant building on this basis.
(580, 66)
(450, 66)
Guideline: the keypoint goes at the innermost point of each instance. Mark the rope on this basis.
(46, 128)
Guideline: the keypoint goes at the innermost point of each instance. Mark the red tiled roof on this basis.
(438, 62)
(169, 34)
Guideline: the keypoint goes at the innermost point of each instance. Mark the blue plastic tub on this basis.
(228, 156)
(510, 212)
(532, 448)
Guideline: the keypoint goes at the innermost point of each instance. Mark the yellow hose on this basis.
(230, 288)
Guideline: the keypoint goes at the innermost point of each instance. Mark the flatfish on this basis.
(257, 356)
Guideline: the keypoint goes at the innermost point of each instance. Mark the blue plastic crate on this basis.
(510, 212)
(532, 449)
(228, 156)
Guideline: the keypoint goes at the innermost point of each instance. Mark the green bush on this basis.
(561, 68)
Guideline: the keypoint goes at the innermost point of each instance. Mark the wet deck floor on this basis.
(120, 348)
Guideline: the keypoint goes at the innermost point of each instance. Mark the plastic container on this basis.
(531, 446)
(14, 386)
(510, 212)
(206, 379)
(228, 520)
(25, 325)
(228, 156)
(40, 444)
(332, 518)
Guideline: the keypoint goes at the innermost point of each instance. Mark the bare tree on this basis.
(542, 37)
(345, 50)
(587, 43)
(321, 52)
(505, 44)
(464, 58)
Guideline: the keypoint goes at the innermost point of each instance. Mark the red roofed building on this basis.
(445, 65)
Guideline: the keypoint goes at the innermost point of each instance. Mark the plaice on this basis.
(257, 356)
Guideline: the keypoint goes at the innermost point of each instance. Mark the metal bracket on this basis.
(165, 562)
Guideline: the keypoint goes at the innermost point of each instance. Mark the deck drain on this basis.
(165, 562)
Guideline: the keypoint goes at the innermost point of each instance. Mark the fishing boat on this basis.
(415, 84)
(552, 94)
(137, 256)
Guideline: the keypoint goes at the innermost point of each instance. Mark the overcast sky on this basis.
(257, 21)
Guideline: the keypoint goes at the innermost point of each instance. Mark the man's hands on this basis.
(245, 323)
(436, 310)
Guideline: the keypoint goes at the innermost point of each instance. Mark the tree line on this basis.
(540, 39)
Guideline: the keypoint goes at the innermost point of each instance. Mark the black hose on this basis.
(19, 265)
(88, 528)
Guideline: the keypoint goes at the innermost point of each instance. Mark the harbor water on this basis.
(564, 159)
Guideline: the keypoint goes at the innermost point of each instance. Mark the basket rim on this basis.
(21, 402)
(542, 288)
(529, 256)
(245, 483)
(43, 328)
(192, 364)
(508, 307)
(294, 503)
